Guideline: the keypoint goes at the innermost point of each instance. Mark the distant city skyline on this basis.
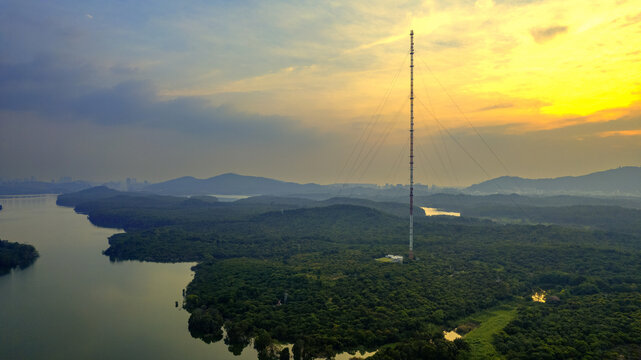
(317, 92)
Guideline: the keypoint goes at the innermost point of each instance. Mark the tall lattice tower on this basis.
(411, 254)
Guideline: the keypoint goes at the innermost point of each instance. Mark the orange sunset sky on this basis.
(318, 91)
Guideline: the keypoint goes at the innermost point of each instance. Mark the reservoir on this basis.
(73, 303)
(436, 212)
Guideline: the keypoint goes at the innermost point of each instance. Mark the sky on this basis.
(318, 91)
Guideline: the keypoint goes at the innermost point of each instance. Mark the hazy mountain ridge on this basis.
(230, 184)
(623, 181)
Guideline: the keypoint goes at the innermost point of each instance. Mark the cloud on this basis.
(495, 107)
(211, 79)
(621, 133)
(89, 16)
(64, 93)
(543, 35)
(582, 148)
(448, 43)
(383, 41)
(484, 4)
(632, 20)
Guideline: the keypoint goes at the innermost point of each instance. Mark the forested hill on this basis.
(463, 202)
(94, 193)
(283, 271)
(612, 214)
(105, 198)
(393, 208)
(615, 182)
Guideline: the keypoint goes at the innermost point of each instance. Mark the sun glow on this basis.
(533, 65)
(563, 63)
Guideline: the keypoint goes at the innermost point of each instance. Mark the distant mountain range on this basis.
(623, 181)
(230, 184)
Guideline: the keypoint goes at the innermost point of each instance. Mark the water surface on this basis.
(435, 212)
(72, 303)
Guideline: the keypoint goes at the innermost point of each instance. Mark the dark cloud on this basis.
(63, 93)
(42, 84)
(495, 107)
(542, 35)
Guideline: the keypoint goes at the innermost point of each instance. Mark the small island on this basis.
(15, 255)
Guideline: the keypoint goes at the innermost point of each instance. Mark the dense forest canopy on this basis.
(304, 273)
(15, 255)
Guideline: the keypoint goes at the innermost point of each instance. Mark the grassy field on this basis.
(490, 322)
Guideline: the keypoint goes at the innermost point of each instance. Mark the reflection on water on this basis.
(72, 303)
(340, 356)
(358, 355)
(539, 296)
(22, 201)
(230, 198)
(451, 335)
(434, 212)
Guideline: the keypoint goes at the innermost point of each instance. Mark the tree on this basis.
(284, 355)
(262, 341)
(297, 349)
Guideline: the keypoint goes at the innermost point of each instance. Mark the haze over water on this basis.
(72, 303)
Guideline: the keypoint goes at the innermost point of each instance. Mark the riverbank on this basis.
(76, 304)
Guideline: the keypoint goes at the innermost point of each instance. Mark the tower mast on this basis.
(411, 253)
